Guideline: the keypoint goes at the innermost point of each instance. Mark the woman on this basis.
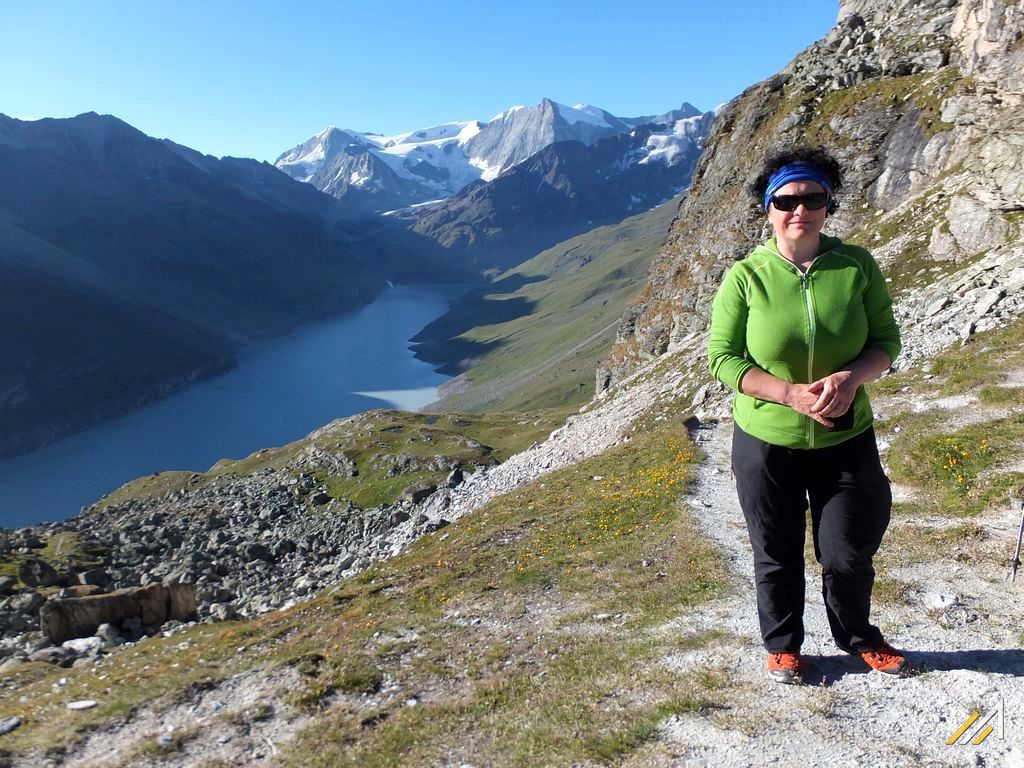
(797, 328)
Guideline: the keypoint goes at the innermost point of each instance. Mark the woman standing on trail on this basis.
(797, 328)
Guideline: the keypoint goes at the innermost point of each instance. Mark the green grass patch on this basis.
(983, 363)
(576, 292)
(957, 472)
(980, 367)
(525, 695)
(371, 458)
(153, 751)
(65, 550)
(913, 543)
(158, 668)
(887, 590)
(925, 92)
(592, 704)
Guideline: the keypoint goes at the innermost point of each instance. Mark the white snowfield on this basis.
(584, 113)
(443, 159)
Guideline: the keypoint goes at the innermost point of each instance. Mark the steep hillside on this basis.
(130, 266)
(532, 337)
(922, 102)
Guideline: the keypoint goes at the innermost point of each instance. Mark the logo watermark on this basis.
(979, 726)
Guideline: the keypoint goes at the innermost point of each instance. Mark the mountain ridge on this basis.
(132, 262)
(377, 172)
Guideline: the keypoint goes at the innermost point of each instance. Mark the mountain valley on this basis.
(539, 573)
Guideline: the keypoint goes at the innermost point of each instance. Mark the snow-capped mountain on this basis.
(564, 189)
(374, 172)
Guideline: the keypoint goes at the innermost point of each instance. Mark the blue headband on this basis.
(799, 171)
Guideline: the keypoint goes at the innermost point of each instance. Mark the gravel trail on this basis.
(960, 628)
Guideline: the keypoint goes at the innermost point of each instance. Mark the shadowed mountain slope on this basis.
(131, 265)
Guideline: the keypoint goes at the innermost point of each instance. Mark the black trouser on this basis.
(850, 501)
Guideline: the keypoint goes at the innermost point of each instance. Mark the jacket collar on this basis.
(828, 243)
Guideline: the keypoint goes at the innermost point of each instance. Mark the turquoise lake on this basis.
(280, 391)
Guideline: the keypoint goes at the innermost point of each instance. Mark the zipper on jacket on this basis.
(809, 301)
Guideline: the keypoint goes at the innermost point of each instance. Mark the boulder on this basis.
(83, 645)
(418, 491)
(81, 590)
(35, 572)
(51, 655)
(256, 551)
(7, 584)
(26, 603)
(62, 619)
(108, 635)
(94, 577)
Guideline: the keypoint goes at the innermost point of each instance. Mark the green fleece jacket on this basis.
(799, 327)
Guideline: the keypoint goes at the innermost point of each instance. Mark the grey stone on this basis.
(64, 619)
(51, 655)
(417, 492)
(256, 551)
(346, 562)
(36, 572)
(455, 478)
(26, 603)
(109, 635)
(975, 227)
(8, 724)
(83, 645)
(223, 611)
(7, 584)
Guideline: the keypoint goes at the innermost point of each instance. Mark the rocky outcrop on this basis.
(62, 619)
(921, 103)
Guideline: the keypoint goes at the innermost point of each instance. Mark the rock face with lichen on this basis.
(922, 104)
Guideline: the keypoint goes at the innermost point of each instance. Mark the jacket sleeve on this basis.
(727, 340)
(883, 332)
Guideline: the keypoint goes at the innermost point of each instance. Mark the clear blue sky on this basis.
(253, 79)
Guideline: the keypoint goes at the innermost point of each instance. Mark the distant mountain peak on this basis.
(441, 160)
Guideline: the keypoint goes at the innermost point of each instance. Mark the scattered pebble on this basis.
(8, 724)
(83, 704)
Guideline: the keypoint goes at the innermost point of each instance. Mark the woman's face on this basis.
(802, 222)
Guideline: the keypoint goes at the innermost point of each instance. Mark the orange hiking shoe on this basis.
(885, 659)
(785, 668)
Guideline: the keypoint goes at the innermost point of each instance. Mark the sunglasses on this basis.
(813, 201)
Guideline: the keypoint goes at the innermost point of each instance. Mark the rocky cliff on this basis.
(921, 102)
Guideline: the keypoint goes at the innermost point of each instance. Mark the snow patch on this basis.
(583, 113)
(508, 112)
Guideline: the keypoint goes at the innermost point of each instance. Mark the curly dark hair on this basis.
(817, 156)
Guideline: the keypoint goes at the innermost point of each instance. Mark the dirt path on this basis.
(960, 627)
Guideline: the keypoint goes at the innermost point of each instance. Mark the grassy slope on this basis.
(957, 466)
(366, 437)
(548, 358)
(508, 627)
